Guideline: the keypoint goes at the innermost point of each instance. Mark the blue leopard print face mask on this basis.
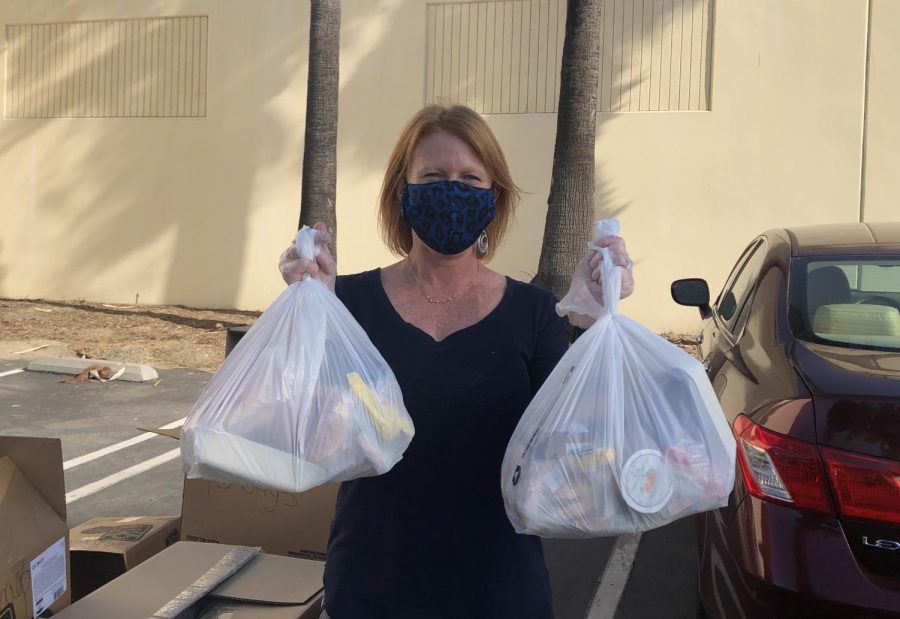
(447, 215)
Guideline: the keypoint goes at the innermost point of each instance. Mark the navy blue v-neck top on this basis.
(430, 539)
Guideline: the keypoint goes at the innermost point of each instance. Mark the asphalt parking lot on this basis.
(114, 469)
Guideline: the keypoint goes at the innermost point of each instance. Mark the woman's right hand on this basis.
(323, 268)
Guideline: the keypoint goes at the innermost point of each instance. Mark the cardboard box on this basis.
(205, 581)
(103, 549)
(282, 523)
(34, 538)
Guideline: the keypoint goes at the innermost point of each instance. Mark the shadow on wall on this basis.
(607, 205)
(151, 208)
(254, 143)
(371, 62)
(152, 191)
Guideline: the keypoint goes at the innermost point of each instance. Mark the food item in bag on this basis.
(388, 421)
(324, 435)
(645, 481)
(227, 457)
(303, 399)
(625, 435)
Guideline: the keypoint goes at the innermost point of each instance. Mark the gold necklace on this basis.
(455, 296)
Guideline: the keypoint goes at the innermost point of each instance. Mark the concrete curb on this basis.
(134, 372)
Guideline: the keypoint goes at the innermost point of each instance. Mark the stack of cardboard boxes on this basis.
(34, 538)
(236, 551)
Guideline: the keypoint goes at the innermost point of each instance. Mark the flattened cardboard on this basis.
(190, 597)
(266, 587)
(33, 509)
(104, 548)
(257, 584)
(281, 523)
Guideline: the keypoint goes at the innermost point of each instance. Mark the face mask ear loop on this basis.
(404, 184)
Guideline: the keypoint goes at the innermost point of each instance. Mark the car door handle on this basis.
(700, 338)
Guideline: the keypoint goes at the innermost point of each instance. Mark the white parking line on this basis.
(615, 577)
(146, 436)
(131, 471)
(11, 372)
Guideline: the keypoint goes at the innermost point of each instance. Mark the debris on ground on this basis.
(98, 372)
(686, 342)
(32, 349)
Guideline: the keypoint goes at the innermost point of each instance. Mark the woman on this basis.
(469, 347)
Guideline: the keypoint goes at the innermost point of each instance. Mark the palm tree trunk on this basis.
(317, 201)
(570, 206)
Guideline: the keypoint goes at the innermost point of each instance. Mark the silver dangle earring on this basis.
(483, 242)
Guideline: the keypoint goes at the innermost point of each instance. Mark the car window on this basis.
(736, 270)
(852, 302)
(733, 304)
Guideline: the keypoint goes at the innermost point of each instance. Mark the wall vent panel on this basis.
(122, 68)
(497, 57)
(504, 56)
(655, 55)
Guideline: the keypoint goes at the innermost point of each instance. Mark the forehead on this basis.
(444, 149)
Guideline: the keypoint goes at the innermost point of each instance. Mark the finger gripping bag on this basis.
(625, 435)
(303, 399)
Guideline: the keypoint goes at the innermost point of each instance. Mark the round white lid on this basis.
(645, 482)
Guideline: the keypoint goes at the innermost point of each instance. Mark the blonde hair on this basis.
(465, 124)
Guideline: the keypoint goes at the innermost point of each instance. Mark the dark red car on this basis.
(803, 349)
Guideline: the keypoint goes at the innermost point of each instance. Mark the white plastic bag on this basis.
(303, 399)
(625, 435)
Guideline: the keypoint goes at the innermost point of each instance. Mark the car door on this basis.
(723, 330)
(719, 342)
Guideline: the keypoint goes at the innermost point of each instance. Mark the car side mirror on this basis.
(693, 292)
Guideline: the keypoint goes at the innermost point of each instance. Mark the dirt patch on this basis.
(685, 342)
(163, 336)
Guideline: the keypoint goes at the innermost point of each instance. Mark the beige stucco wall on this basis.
(182, 210)
(781, 146)
(882, 180)
(196, 210)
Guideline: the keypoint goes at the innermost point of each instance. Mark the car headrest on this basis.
(826, 286)
(855, 319)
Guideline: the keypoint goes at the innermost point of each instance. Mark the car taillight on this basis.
(781, 469)
(865, 487)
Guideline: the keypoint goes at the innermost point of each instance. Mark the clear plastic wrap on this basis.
(304, 398)
(625, 435)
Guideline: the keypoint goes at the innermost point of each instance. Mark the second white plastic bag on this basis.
(625, 435)
(305, 398)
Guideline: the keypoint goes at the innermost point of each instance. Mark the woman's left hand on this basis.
(620, 257)
(587, 275)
